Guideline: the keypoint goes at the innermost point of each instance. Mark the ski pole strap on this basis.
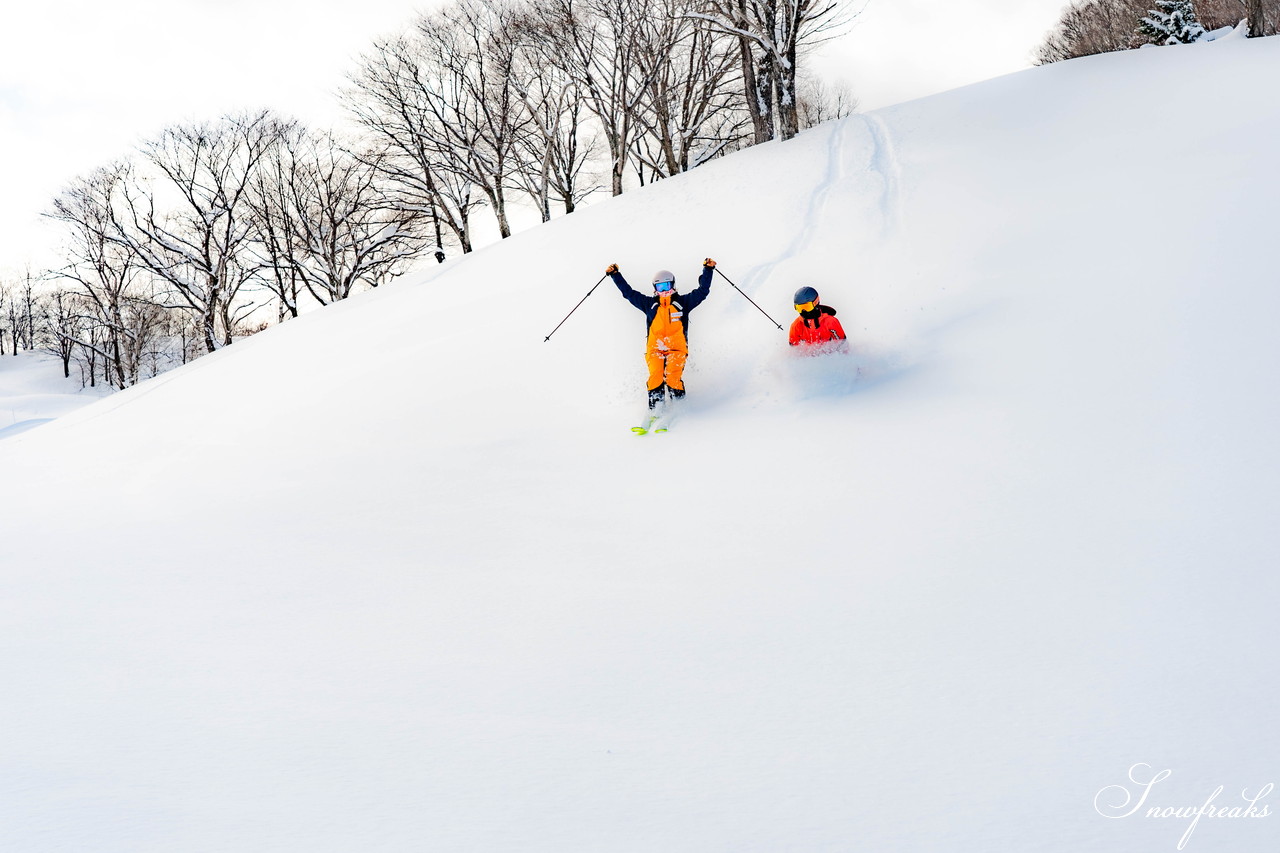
(749, 299)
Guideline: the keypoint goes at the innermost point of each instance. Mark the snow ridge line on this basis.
(884, 161)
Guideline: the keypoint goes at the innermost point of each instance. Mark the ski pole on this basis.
(752, 301)
(576, 307)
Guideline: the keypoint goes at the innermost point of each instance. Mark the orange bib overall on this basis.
(667, 350)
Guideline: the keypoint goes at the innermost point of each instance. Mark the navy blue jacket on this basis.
(648, 303)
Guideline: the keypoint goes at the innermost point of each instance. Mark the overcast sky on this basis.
(82, 81)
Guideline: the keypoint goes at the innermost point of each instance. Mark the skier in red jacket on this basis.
(816, 329)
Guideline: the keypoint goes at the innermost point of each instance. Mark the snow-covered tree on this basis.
(1088, 27)
(1171, 22)
(772, 35)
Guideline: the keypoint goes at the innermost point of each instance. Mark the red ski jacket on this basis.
(816, 327)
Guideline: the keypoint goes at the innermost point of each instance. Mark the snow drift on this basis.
(396, 576)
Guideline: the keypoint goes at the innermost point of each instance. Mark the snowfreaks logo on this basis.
(1121, 801)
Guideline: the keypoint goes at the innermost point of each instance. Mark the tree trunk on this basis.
(788, 109)
(1257, 12)
(224, 313)
(463, 233)
(756, 94)
(544, 186)
(116, 357)
(209, 323)
(500, 210)
(619, 164)
(435, 221)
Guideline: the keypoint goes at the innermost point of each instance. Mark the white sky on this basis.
(82, 81)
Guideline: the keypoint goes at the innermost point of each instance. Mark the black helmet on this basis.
(805, 294)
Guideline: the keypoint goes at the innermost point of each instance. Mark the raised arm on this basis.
(695, 297)
(629, 293)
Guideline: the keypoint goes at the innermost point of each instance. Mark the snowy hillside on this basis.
(33, 391)
(353, 586)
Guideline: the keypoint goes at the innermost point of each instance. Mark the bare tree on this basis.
(10, 317)
(104, 272)
(63, 324)
(595, 43)
(390, 97)
(1093, 26)
(324, 221)
(273, 238)
(199, 244)
(771, 36)
(1088, 27)
(691, 107)
(820, 101)
(556, 147)
(5, 328)
(444, 97)
(19, 313)
(556, 152)
(467, 59)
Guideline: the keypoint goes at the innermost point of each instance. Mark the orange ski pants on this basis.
(666, 366)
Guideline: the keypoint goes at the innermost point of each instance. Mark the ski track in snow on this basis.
(818, 200)
(882, 162)
(758, 274)
(861, 184)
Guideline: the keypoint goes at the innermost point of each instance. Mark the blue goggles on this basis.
(664, 286)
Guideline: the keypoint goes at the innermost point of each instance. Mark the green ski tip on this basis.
(648, 425)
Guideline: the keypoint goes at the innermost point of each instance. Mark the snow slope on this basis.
(33, 392)
(395, 576)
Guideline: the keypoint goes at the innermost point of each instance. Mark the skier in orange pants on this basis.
(667, 316)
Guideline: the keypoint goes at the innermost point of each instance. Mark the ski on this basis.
(658, 423)
(652, 424)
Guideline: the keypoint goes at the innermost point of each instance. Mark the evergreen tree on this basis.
(1171, 22)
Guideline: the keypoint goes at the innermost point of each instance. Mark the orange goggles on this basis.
(805, 306)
